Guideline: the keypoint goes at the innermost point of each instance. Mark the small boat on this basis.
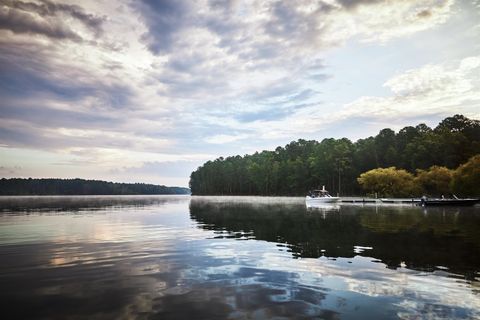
(424, 201)
(320, 196)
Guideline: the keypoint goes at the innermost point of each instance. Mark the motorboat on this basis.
(424, 201)
(320, 196)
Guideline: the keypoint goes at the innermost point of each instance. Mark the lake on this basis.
(182, 257)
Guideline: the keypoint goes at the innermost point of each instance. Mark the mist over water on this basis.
(174, 257)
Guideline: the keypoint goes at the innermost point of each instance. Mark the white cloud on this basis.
(114, 86)
(386, 20)
(225, 138)
(430, 90)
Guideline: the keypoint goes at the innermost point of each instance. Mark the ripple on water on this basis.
(217, 258)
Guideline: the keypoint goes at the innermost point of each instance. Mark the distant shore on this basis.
(70, 187)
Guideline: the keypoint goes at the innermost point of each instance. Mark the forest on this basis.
(17, 186)
(339, 163)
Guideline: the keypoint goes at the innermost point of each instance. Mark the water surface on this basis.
(174, 257)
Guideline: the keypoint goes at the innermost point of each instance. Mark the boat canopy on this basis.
(319, 193)
(320, 190)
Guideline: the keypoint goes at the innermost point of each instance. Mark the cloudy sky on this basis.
(145, 91)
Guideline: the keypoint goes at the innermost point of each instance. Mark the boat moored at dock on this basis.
(448, 202)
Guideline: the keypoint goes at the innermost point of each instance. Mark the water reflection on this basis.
(323, 207)
(19, 204)
(172, 258)
(437, 239)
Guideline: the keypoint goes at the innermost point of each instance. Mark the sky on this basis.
(146, 91)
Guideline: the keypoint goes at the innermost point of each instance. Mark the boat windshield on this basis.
(319, 193)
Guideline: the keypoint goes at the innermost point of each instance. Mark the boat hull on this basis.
(450, 202)
(322, 199)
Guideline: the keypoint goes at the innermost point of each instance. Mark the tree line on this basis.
(435, 181)
(337, 163)
(18, 186)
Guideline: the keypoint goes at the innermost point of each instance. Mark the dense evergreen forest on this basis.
(337, 163)
(81, 187)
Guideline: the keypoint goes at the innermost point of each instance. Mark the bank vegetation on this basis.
(419, 159)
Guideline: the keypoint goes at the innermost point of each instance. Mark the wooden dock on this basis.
(404, 201)
(359, 200)
(379, 201)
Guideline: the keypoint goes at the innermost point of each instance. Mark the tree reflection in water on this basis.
(420, 239)
(156, 258)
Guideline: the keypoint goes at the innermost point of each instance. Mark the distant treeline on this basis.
(81, 187)
(337, 163)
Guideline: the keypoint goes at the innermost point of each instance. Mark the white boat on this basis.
(320, 196)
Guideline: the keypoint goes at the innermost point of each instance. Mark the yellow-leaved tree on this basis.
(466, 179)
(388, 182)
(435, 181)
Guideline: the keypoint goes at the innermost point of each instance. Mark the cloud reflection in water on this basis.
(176, 258)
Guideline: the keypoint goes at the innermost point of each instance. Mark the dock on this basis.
(359, 200)
(404, 201)
(379, 201)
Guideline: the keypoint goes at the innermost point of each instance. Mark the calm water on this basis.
(178, 257)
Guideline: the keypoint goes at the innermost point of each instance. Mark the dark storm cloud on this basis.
(18, 137)
(179, 87)
(22, 22)
(33, 133)
(222, 4)
(221, 20)
(27, 70)
(256, 45)
(21, 81)
(277, 92)
(166, 19)
(50, 117)
(286, 21)
(163, 18)
(188, 74)
(185, 62)
(352, 4)
(41, 91)
(294, 26)
(40, 136)
(46, 19)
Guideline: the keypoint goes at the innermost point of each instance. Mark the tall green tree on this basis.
(336, 163)
(386, 148)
